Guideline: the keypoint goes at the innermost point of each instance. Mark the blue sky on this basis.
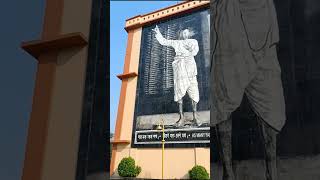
(119, 12)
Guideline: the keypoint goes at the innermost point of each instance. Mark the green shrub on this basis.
(127, 168)
(198, 173)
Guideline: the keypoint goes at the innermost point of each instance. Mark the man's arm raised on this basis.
(163, 41)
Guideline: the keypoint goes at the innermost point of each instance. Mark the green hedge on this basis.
(198, 173)
(127, 168)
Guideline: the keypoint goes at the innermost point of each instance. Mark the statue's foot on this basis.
(180, 122)
(195, 119)
(196, 122)
(271, 176)
(228, 174)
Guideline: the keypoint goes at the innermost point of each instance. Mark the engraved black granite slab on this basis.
(155, 93)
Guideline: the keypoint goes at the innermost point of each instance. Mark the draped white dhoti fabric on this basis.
(185, 78)
(184, 67)
(245, 61)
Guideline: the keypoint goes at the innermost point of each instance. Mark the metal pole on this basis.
(162, 147)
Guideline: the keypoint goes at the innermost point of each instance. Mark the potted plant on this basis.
(198, 173)
(127, 168)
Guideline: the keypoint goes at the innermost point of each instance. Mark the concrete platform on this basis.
(149, 121)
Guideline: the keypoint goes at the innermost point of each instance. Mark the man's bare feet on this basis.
(195, 119)
(181, 121)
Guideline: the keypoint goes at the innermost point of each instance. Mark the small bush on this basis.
(198, 173)
(127, 168)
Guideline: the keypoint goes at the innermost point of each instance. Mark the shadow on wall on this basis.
(65, 57)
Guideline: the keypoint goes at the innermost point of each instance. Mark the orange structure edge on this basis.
(127, 75)
(121, 101)
(46, 51)
(38, 123)
(37, 47)
(120, 142)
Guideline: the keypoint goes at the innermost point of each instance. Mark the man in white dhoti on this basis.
(245, 62)
(184, 70)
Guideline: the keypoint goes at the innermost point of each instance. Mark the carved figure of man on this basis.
(184, 70)
(244, 61)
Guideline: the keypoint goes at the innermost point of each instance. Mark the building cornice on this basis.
(181, 8)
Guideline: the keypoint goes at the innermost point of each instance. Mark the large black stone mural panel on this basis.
(156, 84)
